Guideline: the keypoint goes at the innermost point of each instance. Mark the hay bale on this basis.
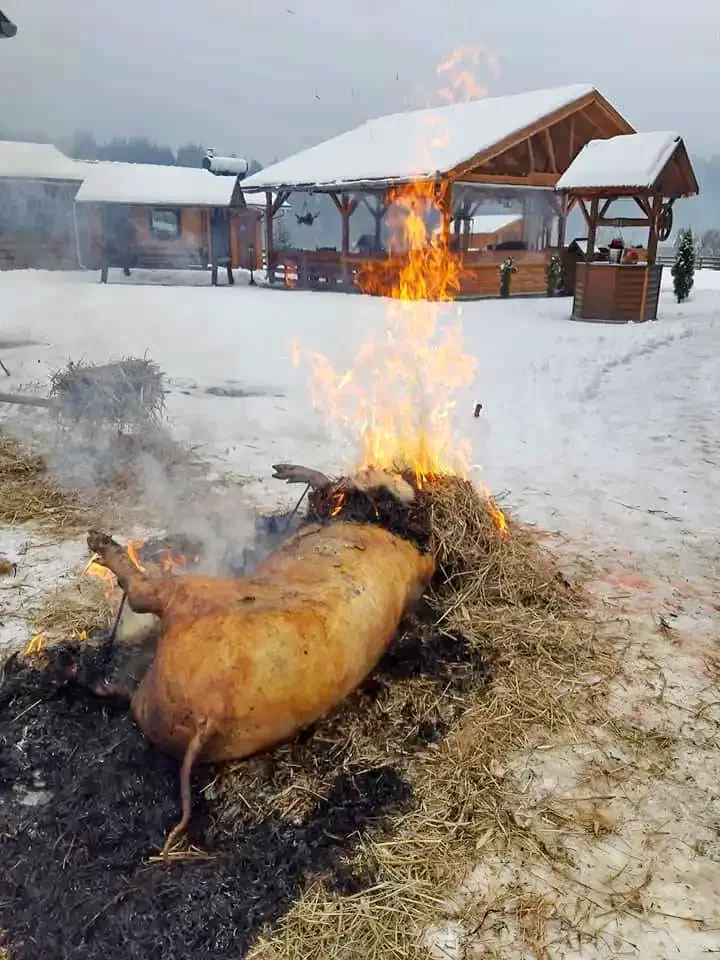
(127, 393)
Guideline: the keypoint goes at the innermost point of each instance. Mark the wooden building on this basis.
(503, 150)
(37, 186)
(650, 171)
(136, 215)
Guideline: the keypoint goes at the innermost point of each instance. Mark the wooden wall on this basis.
(616, 294)
(36, 225)
(480, 272)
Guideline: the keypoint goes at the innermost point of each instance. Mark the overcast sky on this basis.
(269, 77)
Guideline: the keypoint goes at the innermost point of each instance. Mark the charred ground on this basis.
(85, 801)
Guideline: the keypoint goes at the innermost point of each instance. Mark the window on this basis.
(165, 224)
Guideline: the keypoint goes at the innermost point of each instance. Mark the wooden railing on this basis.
(479, 271)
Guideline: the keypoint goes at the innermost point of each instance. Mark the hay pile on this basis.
(129, 393)
(27, 492)
(347, 843)
(493, 657)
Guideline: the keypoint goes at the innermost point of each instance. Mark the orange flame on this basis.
(132, 549)
(397, 398)
(36, 645)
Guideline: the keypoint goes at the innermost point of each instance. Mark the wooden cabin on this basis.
(650, 169)
(508, 151)
(38, 184)
(137, 215)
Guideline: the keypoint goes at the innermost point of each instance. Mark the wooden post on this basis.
(345, 219)
(592, 230)
(443, 202)
(562, 222)
(653, 236)
(269, 266)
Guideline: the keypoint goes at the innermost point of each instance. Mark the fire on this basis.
(397, 399)
(96, 569)
(36, 645)
(132, 549)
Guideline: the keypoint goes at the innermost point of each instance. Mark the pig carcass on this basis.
(242, 665)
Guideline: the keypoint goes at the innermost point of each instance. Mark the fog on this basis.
(268, 77)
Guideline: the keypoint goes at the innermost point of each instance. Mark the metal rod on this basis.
(296, 508)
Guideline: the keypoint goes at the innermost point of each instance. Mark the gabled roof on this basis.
(154, 185)
(421, 144)
(635, 161)
(493, 222)
(37, 161)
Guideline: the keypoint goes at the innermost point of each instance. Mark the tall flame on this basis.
(397, 398)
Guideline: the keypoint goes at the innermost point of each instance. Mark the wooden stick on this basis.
(7, 372)
(26, 400)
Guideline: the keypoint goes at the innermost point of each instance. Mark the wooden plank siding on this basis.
(616, 294)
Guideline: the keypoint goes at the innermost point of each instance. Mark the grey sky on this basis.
(268, 77)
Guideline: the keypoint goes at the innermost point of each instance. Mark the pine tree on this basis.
(683, 270)
(554, 275)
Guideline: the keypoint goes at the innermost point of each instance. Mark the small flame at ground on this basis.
(36, 645)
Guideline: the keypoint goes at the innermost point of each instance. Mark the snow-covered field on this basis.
(608, 436)
(587, 427)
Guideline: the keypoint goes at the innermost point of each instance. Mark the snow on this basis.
(37, 161)
(606, 436)
(632, 160)
(586, 426)
(146, 183)
(493, 222)
(419, 143)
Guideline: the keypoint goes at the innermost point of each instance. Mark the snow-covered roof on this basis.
(632, 160)
(493, 222)
(417, 144)
(154, 184)
(37, 161)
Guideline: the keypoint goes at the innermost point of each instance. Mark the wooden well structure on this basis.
(502, 151)
(648, 172)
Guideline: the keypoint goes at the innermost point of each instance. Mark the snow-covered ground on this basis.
(608, 436)
(595, 430)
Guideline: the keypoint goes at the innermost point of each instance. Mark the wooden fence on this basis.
(702, 261)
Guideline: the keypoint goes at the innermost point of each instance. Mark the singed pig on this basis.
(242, 665)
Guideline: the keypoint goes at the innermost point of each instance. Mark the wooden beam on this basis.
(606, 206)
(282, 196)
(592, 230)
(571, 156)
(533, 180)
(336, 200)
(584, 211)
(531, 154)
(623, 221)
(551, 150)
(642, 202)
